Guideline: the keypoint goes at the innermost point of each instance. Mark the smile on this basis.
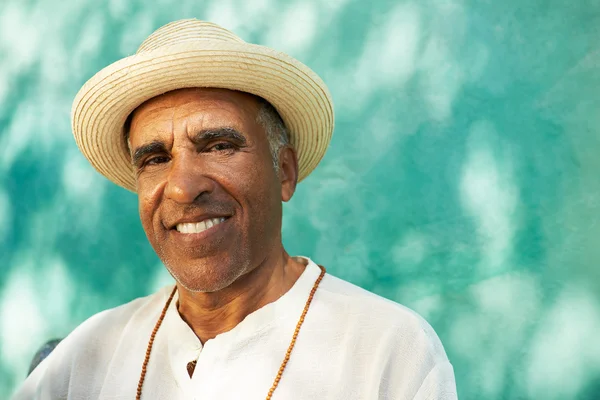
(198, 227)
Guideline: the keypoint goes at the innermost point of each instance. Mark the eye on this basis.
(221, 147)
(156, 160)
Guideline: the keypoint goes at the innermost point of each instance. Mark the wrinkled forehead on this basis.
(221, 104)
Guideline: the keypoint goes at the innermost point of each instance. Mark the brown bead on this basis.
(193, 363)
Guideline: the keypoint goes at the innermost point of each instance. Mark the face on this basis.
(209, 197)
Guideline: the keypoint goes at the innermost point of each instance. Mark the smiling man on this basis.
(213, 134)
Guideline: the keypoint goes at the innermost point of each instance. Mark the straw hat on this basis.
(192, 53)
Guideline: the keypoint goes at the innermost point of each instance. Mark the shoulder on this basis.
(135, 308)
(95, 339)
(110, 323)
(403, 349)
(394, 324)
(370, 305)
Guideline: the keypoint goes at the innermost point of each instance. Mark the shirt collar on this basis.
(184, 346)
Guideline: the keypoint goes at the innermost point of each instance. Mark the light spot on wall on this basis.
(226, 14)
(22, 322)
(426, 306)
(442, 79)
(334, 6)
(35, 306)
(90, 38)
(53, 65)
(18, 136)
(6, 217)
(56, 293)
(81, 182)
(4, 82)
(118, 8)
(135, 32)
(334, 179)
(490, 196)
(503, 311)
(476, 61)
(565, 343)
(414, 290)
(83, 185)
(295, 30)
(351, 263)
(443, 71)
(410, 250)
(513, 296)
(19, 35)
(30, 128)
(389, 55)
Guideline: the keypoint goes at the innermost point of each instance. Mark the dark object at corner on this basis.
(42, 353)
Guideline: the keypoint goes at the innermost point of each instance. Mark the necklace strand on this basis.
(283, 364)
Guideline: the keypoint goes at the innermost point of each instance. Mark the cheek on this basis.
(145, 213)
(257, 183)
(147, 207)
(260, 189)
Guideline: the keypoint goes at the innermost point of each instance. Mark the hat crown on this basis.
(186, 30)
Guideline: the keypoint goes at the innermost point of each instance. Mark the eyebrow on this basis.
(219, 133)
(197, 138)
(150, 148)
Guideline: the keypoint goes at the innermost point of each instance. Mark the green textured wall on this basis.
(462, 179)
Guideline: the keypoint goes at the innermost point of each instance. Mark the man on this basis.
(213, 134)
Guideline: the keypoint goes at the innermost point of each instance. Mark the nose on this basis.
(186, 182)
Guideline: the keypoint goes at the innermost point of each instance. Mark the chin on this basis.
(206, 277)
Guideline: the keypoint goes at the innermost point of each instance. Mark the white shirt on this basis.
(353, 345)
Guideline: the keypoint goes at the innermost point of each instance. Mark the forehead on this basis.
(208, 107)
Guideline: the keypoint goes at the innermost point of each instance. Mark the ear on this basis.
(288, 172)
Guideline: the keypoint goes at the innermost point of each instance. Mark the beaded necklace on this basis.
(285, 359)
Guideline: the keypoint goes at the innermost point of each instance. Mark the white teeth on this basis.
(199, 226)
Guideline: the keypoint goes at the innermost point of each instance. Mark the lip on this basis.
(200, 236)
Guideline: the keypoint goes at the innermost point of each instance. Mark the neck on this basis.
(210, 314)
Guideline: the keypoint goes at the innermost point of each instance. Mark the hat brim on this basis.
(103, 104)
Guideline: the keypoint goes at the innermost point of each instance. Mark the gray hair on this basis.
(277, 133)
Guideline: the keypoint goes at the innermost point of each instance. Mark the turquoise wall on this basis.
(462, 179)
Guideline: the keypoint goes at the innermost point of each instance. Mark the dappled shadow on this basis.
(461, 179)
